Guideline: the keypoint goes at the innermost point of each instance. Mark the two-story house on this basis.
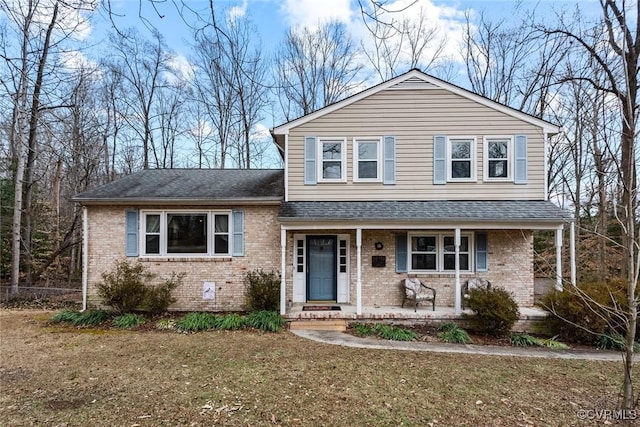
(414, 176)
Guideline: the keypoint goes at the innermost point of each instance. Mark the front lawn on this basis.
(62, 375)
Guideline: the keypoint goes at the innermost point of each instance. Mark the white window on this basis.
(367, 154)
(175, 233)
(435, 252)
(498, 163)
(332, 155)
(461, 157)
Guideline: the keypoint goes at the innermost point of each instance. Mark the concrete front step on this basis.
(319, 325)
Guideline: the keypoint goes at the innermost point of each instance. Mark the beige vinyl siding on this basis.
(414, 117)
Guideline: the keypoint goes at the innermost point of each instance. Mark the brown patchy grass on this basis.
(52, 375)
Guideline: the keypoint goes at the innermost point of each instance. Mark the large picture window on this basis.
(498, 158)
(186, 233)
(461, 154)
(436, 252)
(366, 159)
(332, 159)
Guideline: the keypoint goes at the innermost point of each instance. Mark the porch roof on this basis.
(433, 211)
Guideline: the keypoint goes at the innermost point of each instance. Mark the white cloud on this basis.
(180, 65)
(308, 13)
(238, 11)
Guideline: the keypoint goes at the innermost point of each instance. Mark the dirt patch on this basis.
(253, 378)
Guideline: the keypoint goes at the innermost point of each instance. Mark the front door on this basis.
(321, 268)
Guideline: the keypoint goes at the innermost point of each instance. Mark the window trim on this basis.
(510, 157)
(440, 235)
(356, 158)
(473, 158)
(164, 233)
(320, 160)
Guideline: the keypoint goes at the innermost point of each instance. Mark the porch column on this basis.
(283, 270)
(572, 242)
(458, 302)
(559, 259)
(358, 271)
(85, 256)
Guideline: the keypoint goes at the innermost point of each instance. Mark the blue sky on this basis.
(272, 18)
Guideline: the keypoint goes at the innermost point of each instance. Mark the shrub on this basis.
(582, 314)
(262, 290)
(495, 311)
(362, 329)
(194, 322)
(124, 289)
(450, 332)
(66, 316)
(266, 320)
(92, 317)
(394, 333)
(230, 322)
(524, 340)
(166, 324)
(129, 321)
(158, 298)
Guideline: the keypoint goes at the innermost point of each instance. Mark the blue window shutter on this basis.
(310, 169)
(238, 233)
(439, 159)
(401, 253)
(520, 175)
(482, 261)
(131, 227)
(389, 165)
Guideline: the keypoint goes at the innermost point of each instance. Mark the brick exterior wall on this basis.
(510, 262)
(262, 249)
(510, 255)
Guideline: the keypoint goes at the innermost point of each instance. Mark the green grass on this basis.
(195, 322)
(266, 320)
(230, 322)
(85, 318)
(451, 333)
(129, 321)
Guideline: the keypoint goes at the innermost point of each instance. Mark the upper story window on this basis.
(186, 233)
(367, 154)
(461, 155)
(332, 154)
(498, 158)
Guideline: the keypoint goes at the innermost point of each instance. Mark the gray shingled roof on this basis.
(513, 211)
(190, 185)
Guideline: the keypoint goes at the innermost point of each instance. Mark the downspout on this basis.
(458, 301)
(546, 166)
(358, 271)
(85, 256)
(283, 269)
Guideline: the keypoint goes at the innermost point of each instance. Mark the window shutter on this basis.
(238, 233)
(401, 253)
(310, 169)
(389, 165)
(520, 175)
(131, 228)
(440, 159)
(482, 263)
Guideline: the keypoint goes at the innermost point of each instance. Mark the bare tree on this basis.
(316, 68)
(398, 45)
(616, 56)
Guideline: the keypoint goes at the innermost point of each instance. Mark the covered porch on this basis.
(372, 246)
